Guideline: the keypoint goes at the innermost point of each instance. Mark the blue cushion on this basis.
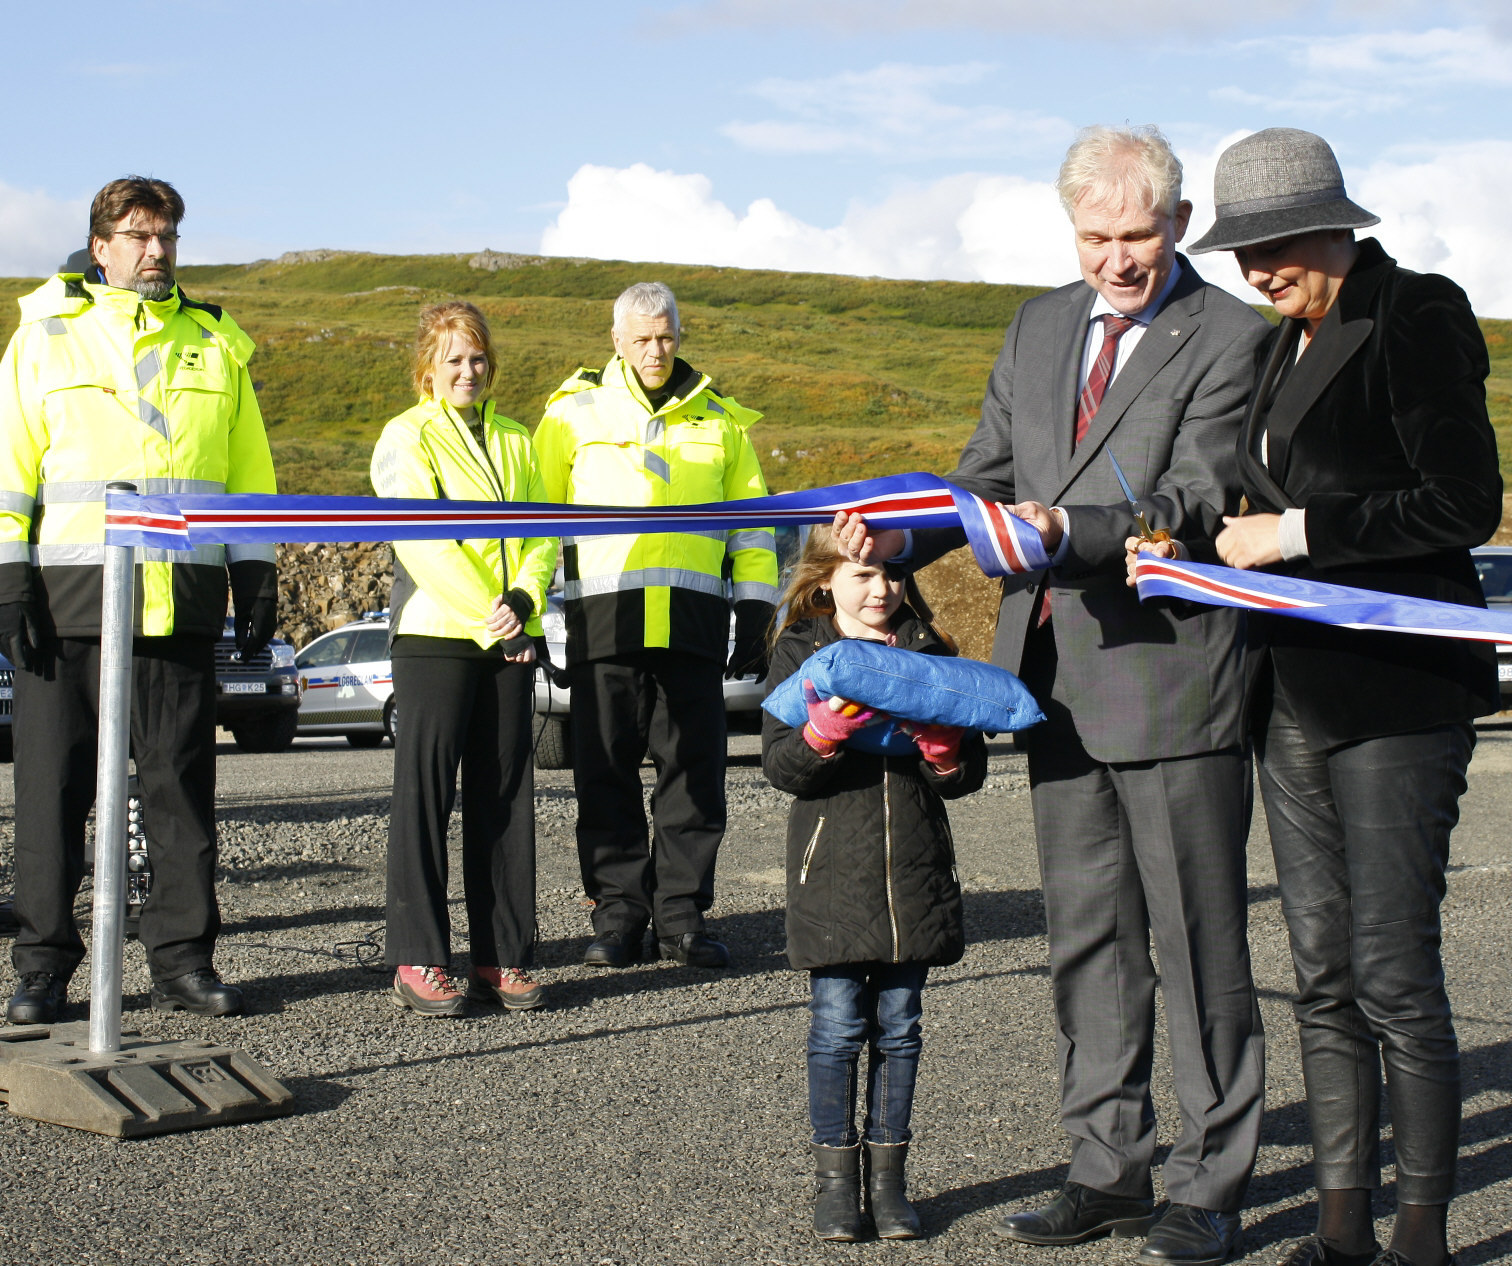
(908, 686)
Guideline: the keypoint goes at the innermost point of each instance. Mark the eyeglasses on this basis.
(141, 239)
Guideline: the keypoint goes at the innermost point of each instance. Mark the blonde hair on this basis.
(807, 593)
(437, 323)
(1109, 164)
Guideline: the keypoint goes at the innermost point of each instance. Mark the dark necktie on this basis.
(1092, 394)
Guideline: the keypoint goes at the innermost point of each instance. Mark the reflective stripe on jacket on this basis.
(99, 385)
(428, 451)
(601, 443)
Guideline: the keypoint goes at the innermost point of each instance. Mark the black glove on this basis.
(20, 632)
(254, 596)
(521, 603)
(753, 620)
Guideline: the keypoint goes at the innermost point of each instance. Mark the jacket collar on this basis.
(1342, 333)
(1178, 319)
(685, 382)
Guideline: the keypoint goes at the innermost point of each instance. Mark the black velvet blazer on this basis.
(1380, 433)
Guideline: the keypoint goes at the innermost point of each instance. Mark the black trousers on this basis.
(672, 706)
(474, 713)
(1361, 838)
(173, 744)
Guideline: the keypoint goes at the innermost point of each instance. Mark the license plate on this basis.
(7, 692)
(246, 687)
(1504, 672)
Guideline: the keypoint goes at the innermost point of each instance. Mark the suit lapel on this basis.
(1070, 346)
(1254, 474)
(1340, 336)
(1336, 342)
(1173, 325)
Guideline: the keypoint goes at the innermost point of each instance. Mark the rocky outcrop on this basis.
(322, 587)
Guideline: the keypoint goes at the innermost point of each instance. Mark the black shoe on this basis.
(837, 1210)
(8, 924)
(1391, 1257)
(1189, 1236)
(1079, 1214)
(39, 998)
(886, 1190)
(201, 991)
(694, 949)
(1316, 1251)
(614, 948)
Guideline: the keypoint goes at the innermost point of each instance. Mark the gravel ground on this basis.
(656, 1115)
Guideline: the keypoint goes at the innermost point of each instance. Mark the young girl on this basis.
(873, 898)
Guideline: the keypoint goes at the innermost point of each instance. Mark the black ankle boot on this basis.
(890, 1210)
(837, 1211)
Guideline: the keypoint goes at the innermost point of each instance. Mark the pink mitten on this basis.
(940, 745)
(826, 728)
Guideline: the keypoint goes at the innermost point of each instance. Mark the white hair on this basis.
(648, 299)
(1110, 164)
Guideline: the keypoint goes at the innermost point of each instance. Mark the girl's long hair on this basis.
(807, 592)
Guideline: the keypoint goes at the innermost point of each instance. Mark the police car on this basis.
(346, 684)
(7, 692)
(1493, 564)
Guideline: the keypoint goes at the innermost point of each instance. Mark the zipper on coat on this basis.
(892, 911)
(808, 853)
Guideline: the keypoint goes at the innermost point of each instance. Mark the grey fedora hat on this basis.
(1278, 183)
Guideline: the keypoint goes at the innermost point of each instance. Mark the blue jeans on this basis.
(879, 1006)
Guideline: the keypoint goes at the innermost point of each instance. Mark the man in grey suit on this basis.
(1140, 778)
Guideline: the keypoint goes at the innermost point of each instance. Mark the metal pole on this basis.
(110, 796)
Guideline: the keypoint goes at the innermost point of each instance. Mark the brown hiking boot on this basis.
(508, 987)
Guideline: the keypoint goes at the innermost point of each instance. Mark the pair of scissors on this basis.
(1146, 533)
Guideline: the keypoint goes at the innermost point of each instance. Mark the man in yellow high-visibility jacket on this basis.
(648, 621)
(114, 375)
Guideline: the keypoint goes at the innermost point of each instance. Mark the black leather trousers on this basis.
(1361, 840)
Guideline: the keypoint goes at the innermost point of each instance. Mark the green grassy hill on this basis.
(856, 377)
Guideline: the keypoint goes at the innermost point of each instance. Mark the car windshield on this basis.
(325, 651)
(1495, 576)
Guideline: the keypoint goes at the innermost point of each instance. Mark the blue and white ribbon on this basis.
(1338, 605)
(1002, 544)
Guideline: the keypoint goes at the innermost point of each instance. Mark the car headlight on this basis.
(283, 655)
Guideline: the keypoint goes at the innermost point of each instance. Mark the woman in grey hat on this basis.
(1368, 460)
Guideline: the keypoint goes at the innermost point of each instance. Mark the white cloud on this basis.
(1446, 213)
(1091, 19)
(993, 228)
(38, 231)
(892, 111)
(1314, 100)
(1467, 55)
(1368, 72)
(1441, 213)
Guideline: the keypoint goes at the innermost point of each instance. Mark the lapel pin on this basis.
(1174, 333)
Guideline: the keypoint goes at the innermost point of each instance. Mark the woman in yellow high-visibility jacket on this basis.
(463, 615)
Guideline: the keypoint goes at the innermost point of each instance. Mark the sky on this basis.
(894, 138)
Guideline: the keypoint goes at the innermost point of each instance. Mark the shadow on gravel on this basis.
(305, 918)
(284, 870)
(939, 1212)
(314, 1095)
(1497, 1248)
(264, 811)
